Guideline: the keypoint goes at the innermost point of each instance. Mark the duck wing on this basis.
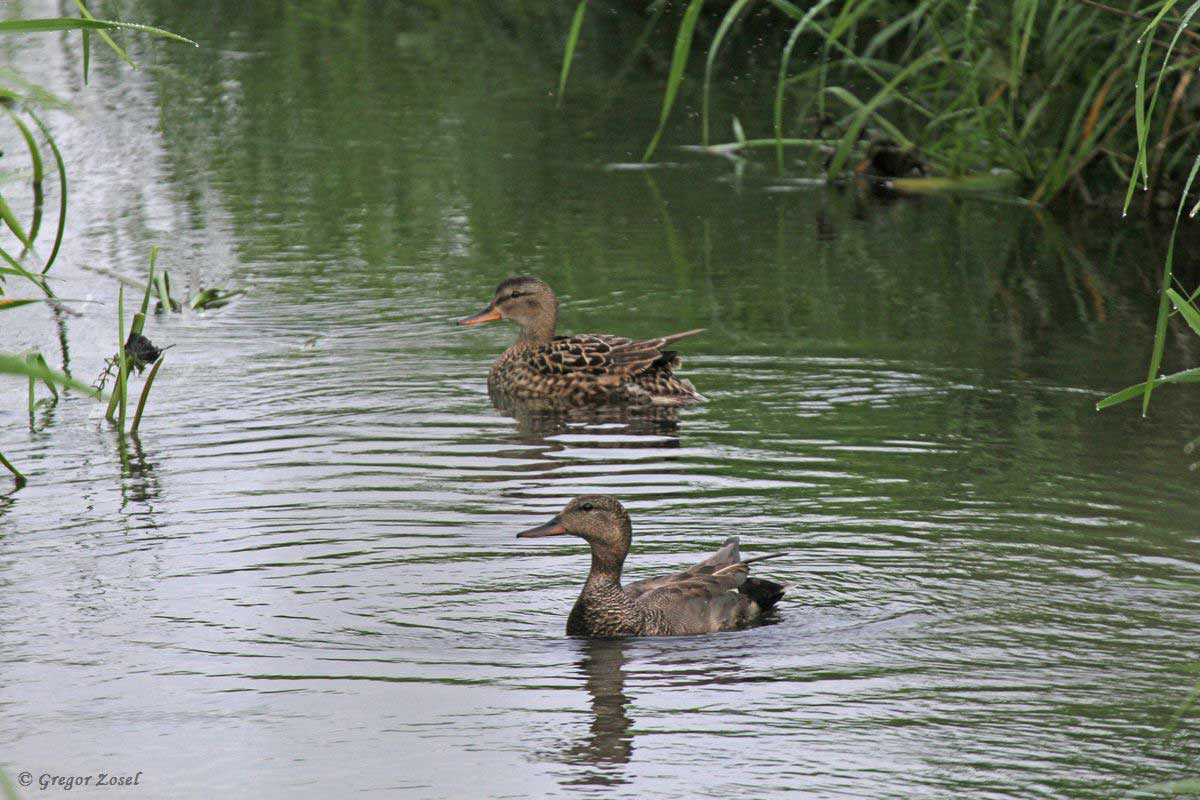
(702, 603)
(603, 358)
(716, 594)
(728, 554)
(639, 355)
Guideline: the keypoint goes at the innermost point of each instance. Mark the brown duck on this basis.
(584, 369)
(715, 595)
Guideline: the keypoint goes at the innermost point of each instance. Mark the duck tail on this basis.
(763, 592)
(675, 337)
(762, 558)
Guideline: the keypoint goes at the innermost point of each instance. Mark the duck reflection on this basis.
(608, 743)
(539, 424)
(579, 444)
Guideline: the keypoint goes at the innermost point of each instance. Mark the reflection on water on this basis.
(609, 742)
(616, 426)
(304, 567)
(139, 482)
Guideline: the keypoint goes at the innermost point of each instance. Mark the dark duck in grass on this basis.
(580, 370)
(717, 594)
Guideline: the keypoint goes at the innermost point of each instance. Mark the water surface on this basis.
(302, 581)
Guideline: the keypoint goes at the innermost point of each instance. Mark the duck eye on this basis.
(587, 507)
(516, 293)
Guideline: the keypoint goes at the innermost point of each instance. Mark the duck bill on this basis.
(489, 314)
(554, 527)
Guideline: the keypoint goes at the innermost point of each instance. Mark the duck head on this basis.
(526, 301)
(598, 519)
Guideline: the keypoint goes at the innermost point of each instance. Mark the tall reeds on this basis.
(134, 352)
(1051, 92)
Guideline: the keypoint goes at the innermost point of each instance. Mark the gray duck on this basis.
(584, 369)
(715, 595)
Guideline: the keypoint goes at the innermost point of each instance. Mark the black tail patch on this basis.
(668, 359)
(763, 592)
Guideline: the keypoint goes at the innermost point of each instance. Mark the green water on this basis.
(302, 580)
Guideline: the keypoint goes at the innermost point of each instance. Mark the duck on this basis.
(585, 369)
(717, 594)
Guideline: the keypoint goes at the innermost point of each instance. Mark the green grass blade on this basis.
(15, 268)
(52, 24)
(17, 366)
(10, 219)
(36, 359)
(1142, 116)
(1139, 120)
(569, 51)
(149, 284)
(983, 182)
(739, 135)
(162, 283)
(726, 23)
(87, 54)
(49, 384)
(108, 40)
(113, 400)
(679, 58)
(141, 406)
(31, 359)
(35, 159)
(7, 304)
(123, 375)
(21, 273)
(907, 22)
(1130, 392)
(869, 110)
(1019, 49)
(1184, 21)
(21, 481)
(850, 58)
(852, 101)
(781, 81)
(1144, 146)
(1160, 328)
(1186, 310)
(1072, 156)
(62, 191)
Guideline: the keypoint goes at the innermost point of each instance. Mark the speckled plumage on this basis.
(590, 368)
(715, 595)
(584, 369)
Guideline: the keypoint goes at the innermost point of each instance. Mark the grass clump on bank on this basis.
(1051, 92)
(19, 99)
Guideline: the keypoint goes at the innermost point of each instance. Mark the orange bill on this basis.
(489, 314)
